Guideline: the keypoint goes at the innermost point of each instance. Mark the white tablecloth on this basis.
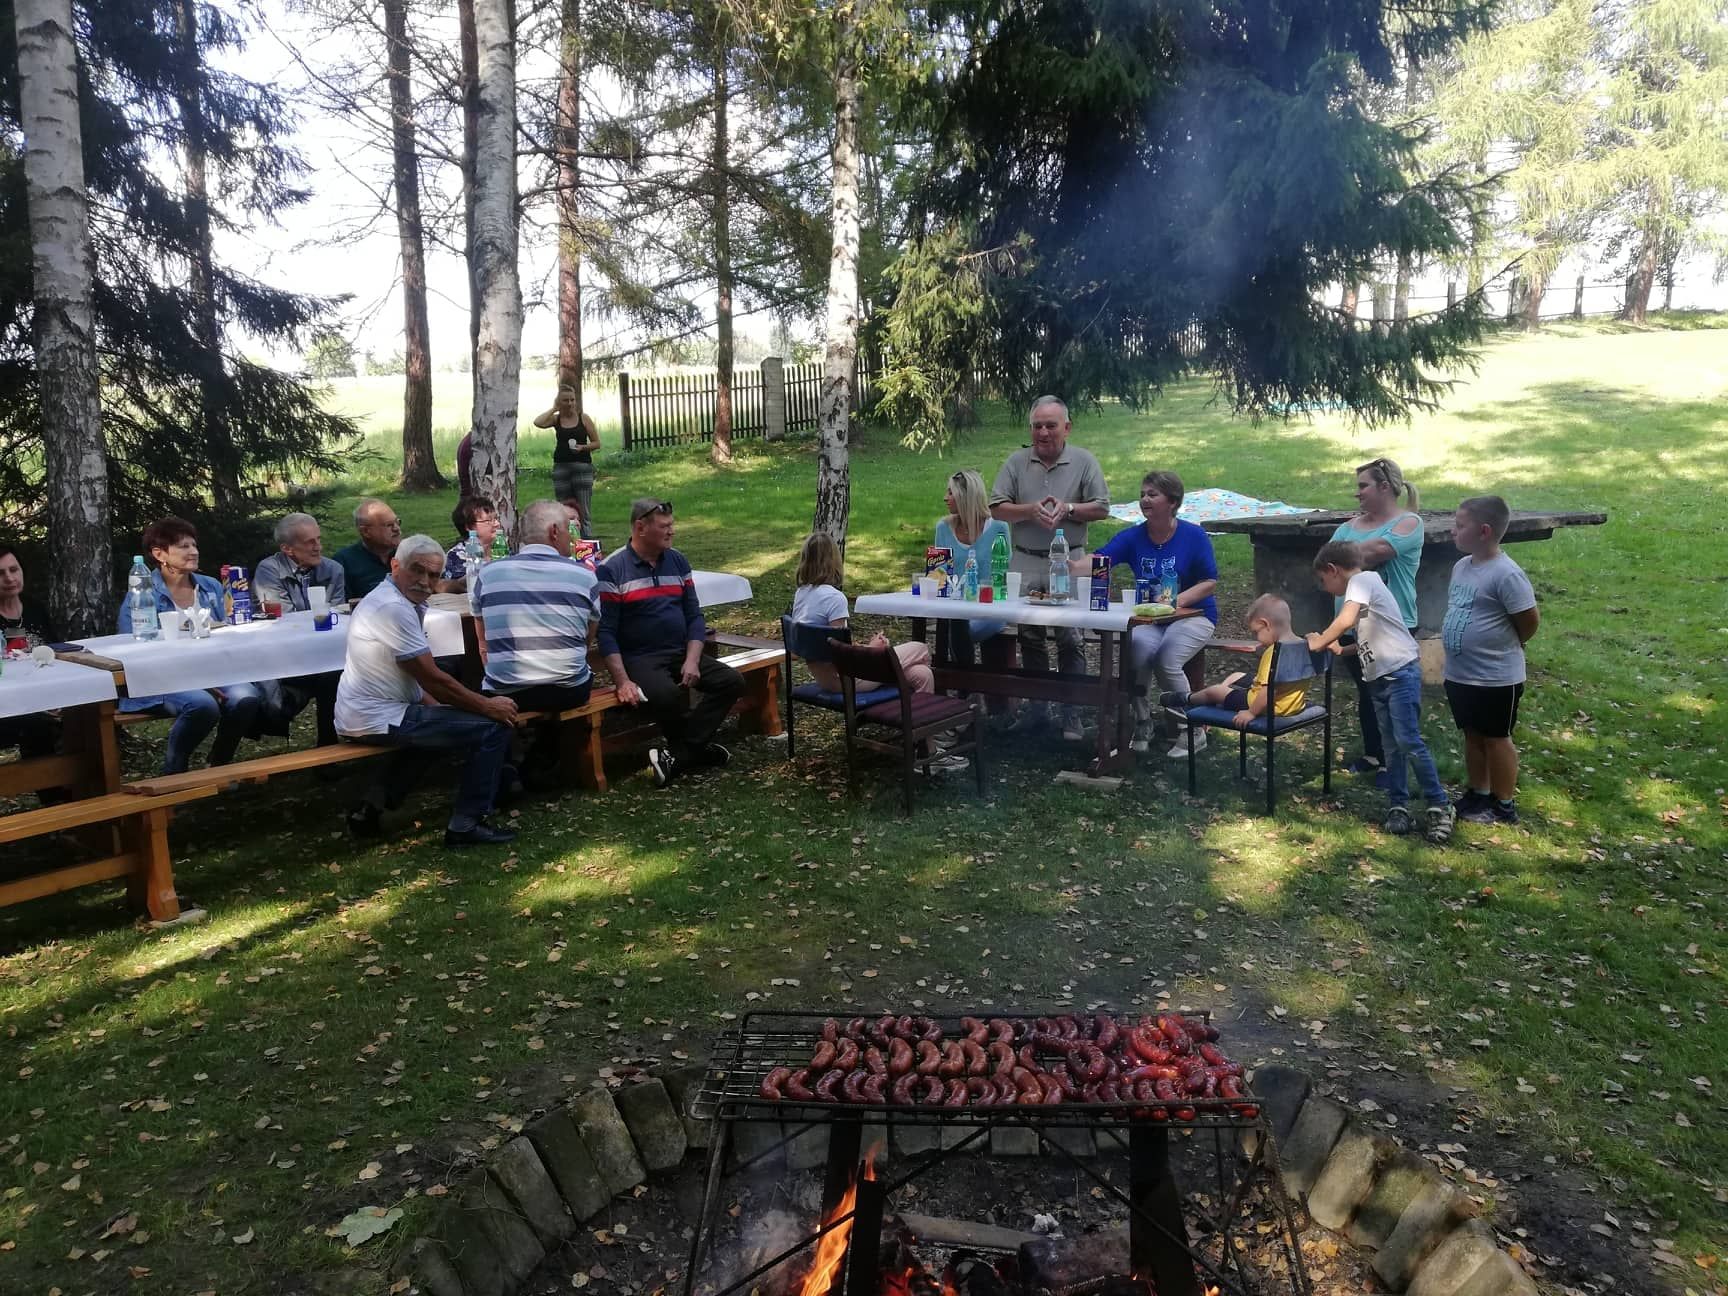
(241, 654)
(282, 649)
(26, 688)
(1069, 615)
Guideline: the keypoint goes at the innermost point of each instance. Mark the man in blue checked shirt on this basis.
(652, 634)
(536, 608)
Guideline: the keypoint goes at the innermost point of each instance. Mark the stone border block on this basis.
(1349, 1175)
(1282, 1090)
(519, 1169)
(1455, 1261)
(1303, 1155)
(654, 1124)
(570, 1163)
(762, 1143)
(808, 1148)
(603, 1130)
(1436, 1211)
(486, 1238)
(682, 1086)
(427, 1269)
(1013, 1140)
(1500, 1276)
(1401, 1181)
(1077, 1141)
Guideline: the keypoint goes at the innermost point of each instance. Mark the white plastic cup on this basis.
(1083, 592)
(1128, 598)
(1013, 587)
(318, 596)
(929, 589)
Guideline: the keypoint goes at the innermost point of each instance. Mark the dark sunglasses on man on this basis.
(650, 508)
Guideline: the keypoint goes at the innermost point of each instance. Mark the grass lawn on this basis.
(1550, 1001)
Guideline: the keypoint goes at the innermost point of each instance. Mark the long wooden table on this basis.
(1108, 690)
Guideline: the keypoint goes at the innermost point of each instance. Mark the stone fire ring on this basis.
(502, 1220)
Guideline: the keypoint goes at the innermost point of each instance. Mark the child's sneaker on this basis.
(1475, 807)
(1503, 812)
(1397, 821)
(1440, 820)
(1363, 765)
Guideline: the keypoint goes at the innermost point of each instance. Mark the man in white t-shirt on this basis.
(393, 694)
(1393, 674)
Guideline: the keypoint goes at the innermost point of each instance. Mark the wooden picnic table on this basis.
(1108, 690)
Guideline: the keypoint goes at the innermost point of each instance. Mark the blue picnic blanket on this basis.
(1212, 504)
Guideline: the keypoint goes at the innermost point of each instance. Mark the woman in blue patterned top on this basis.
(969, 532)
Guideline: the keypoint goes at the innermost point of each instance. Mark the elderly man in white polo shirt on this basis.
(393, 694)
(1047, 485)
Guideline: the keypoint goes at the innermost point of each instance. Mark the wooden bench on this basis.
(139, 848)
(582, 747)
(225, 778)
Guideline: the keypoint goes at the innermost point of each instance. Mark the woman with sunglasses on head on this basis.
(969, 532)
(1389, 535)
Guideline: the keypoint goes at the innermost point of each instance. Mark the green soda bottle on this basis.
(999, 569)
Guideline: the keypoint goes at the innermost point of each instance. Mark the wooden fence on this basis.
(678, 409)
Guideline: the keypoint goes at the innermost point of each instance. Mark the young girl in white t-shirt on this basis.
(818, 601)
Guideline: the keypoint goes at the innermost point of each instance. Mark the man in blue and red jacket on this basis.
(652, 633)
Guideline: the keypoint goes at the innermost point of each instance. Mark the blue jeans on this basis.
(196, 712)
(1398, 707)
(443, 728)
(964, 636)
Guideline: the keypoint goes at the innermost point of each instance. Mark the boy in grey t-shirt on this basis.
(1490, 616)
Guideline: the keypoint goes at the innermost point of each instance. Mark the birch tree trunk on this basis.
(833, 411)
(67, 377)
(568, 143)
(720, 450)
(419, 462)
(217, 436)
(469, 48)
(492, 260)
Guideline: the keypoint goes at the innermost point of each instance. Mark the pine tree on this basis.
(1108, 176)
(159, 382)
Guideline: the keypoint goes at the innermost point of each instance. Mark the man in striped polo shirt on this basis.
(652, 632)
(536, 607)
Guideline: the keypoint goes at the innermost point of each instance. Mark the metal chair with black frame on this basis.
(810, 643)
(918, 717)
(1288, 667)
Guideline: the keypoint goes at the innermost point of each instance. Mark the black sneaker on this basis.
(1173, 701)
(664, 766)
(481, 834)
(1482, 812)
(1397, 821)
(714, 755)
(365, 822)
(1469, 800)
(1504, 812)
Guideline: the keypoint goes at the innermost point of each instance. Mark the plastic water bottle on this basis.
(969, 580)
(500, 546)
(141, 599)
(1060, 585)
(999, 559)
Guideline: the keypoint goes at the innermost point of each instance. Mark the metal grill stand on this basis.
(1160, 1251)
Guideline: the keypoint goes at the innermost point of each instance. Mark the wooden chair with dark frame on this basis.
(810, 643)
(1291, 663)
(918, 719)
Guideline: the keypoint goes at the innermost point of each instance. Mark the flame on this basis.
(831, 1246)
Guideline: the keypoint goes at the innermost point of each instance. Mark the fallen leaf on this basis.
(364, 1224)
(371, 1171)
(243, 1239)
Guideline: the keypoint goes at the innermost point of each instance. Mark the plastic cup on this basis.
(1127, 599)
(1083, 591)
(318, 596)
(1013, 587)
(986, 594)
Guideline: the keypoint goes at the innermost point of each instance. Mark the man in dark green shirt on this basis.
(366, 562)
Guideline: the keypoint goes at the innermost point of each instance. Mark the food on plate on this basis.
(1152, 611)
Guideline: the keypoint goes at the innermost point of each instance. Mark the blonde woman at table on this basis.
(232, 710)
(969, 532)
(819, 601)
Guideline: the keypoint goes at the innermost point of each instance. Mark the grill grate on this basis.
(765, 1040)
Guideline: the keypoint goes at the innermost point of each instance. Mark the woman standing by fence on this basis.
(574, 442)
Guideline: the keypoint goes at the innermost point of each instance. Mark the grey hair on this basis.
(290, 523)
(538, 518)
(1057, 401)
(415, 545)
(361, 508)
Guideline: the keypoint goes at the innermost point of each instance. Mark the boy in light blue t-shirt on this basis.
(1490, 616)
